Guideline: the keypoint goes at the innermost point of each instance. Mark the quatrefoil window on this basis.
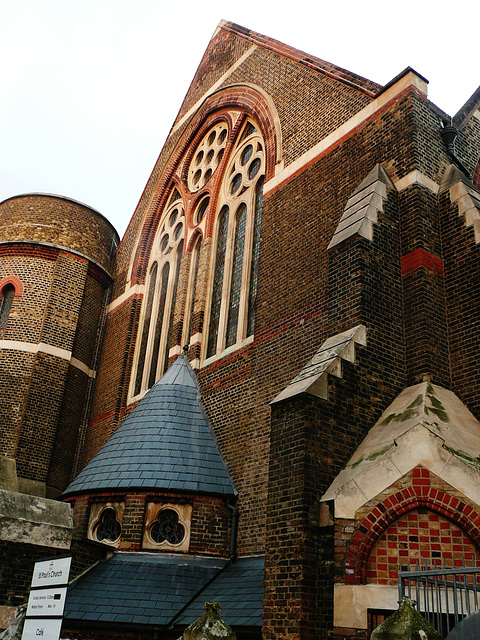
(108, 528)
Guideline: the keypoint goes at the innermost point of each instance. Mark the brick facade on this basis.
(412, 284)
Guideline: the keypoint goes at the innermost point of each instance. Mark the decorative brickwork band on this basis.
(421, 258)
(419, 494)
(15, 282)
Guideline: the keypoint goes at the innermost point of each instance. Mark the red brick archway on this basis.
(15, 282)
(419, 494)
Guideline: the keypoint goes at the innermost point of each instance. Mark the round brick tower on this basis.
(55, 264)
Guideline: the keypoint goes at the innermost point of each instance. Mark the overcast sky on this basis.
(89, 88)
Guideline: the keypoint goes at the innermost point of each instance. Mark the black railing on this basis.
(444, 596)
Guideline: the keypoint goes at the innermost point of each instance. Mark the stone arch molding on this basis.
(252, 102)
(425, 425)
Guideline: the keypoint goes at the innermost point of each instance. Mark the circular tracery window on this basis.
(246, 165)
(207, 157)
(172, 228)
(167, 528)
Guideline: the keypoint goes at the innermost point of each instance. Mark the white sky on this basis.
(89, 88)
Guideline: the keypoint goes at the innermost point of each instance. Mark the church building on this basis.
(267, 393)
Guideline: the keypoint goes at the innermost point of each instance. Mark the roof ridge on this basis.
(327, 68)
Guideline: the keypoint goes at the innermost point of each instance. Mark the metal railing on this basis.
(444, 596)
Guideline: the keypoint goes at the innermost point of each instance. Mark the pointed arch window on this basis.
(237, 245)
(159, 303)
(6, 299)
(218, 220)
(191, 320)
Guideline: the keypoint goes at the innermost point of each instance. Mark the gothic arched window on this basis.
(6, 300)
(237, 244)
(161, 288)
(214, 213)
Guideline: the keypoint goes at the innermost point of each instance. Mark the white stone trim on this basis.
(410, 79)
(226, 351)
(468, 202)
(175, 351)
(352, 601)
(416, 177)
(313, 378)
(30, 347)
(83, 367)
(137, 289)
(96, 512)
(409, 433)
(363, 206)
(184, 513)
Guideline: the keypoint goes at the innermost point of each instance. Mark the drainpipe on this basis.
(449, 135)
(234, 534)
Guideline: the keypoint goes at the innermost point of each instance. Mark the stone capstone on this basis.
(210, 626)
(406, 624)
(34, 520)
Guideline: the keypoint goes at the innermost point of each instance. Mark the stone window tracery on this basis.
(237, 243)
(167, 527)
(207, 157)
(105, 523)
(228, 210)
(161, 288)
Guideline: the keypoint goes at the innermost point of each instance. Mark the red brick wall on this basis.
(419, 536)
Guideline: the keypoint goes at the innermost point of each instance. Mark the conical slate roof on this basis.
(165, 443)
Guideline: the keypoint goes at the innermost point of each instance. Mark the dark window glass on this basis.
(236, 183)
(108, 528)
(158, 327)
(164, 243)
(6, 301)
(236, 285)
(254, 167)
(218, 282)
(246, 154)
(196, 259)
(252, 294)
(222, 136)
(201, 210)
(146, 329)
(178, 231)
(167, 528)
(172, 308)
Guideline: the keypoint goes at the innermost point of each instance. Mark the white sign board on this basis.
(47, 599)
(46, 602)
(49, 573)
(48, 629)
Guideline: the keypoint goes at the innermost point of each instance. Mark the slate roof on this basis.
(153, 589)
(166, 442)
(239, 590)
